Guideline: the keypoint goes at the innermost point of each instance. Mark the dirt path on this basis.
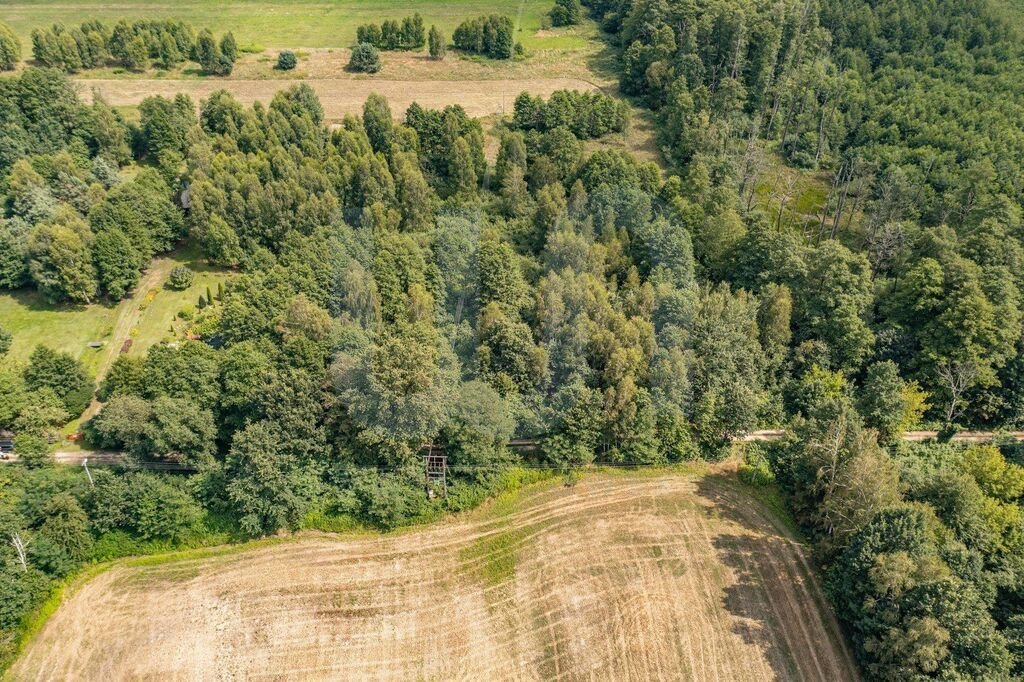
(113, 458)
(618, 578)
(343, 95)
(127, 317)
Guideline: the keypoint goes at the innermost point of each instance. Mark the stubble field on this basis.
(621, 577)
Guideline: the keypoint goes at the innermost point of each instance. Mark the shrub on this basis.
(286, 61)
(566, 12)
(365, 59)
(755, 468)
(181, 278)
(389, 500)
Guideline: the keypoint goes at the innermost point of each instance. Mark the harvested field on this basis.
(621, 577)
(343, 96)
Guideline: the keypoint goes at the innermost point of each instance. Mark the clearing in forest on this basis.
(622, 577)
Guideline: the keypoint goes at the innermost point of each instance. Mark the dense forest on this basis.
(396, 289)
(905, 290)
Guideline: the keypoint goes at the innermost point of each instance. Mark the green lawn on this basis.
(284, 23)
(157, 316)
(146, 317)
(33, 321)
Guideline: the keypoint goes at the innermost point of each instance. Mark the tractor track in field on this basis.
(621, 577)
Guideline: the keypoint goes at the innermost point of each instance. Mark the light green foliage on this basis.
(437, 43)
(10, 48)
(181, 278)
(888, 403)
(32, 449)
(59, 259)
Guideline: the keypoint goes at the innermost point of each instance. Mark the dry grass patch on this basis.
(340, 97)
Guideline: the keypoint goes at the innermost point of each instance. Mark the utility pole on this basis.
(85, 465)
(19, 547)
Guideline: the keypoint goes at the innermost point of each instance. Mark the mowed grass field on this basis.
(147, 316)
(283, 23)
(670, 575)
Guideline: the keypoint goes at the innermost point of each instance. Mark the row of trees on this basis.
(409, 34)
(491, 36)
(133, 46)
(365, 57)
(587, 114)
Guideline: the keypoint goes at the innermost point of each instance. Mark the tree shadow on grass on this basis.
(31, 299)
(604, 62)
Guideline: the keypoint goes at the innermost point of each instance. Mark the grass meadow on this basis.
(147, 317)
(286, 23)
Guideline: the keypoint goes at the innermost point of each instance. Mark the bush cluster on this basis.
(392, 35)
(365, 59)
(586, 114)
(490, 36)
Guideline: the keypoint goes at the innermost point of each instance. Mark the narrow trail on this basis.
(128, 314)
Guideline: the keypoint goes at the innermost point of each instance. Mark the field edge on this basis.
(493, 508)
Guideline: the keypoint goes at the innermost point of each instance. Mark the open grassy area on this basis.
(624, 576)
(285, 23)
(33, 321)
(156, 318)
(147, 316)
